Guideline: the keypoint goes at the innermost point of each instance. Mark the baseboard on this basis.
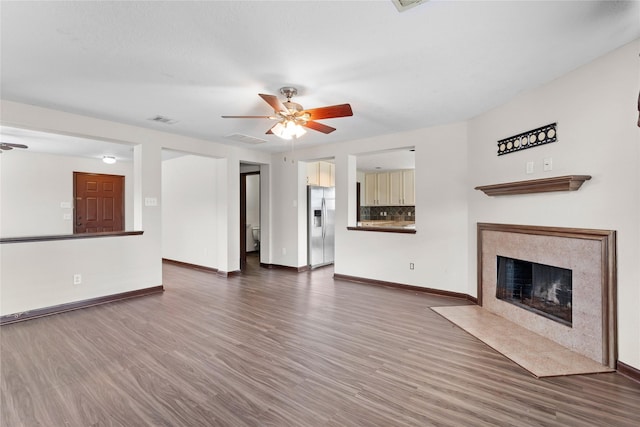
(228, 273)
(628, 371)
(202, 268)
(56, 309)
(440, 292)
(191, 266)
(285, 267)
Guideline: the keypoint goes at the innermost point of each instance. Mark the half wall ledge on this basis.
(69, 236)
(543, 185)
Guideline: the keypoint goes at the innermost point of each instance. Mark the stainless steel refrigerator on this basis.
(321, 208)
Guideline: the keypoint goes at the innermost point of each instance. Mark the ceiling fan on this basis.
(5, 146)
(292, 118)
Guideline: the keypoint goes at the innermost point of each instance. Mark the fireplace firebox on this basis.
(542, 289)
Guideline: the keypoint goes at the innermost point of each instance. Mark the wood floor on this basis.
(279, 348)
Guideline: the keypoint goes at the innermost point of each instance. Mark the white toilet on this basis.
(255, 232)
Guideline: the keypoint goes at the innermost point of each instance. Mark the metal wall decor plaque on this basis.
(533, 138)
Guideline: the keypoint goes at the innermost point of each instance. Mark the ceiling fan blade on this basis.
(10, 145)
(270, 131)
(246, 117)
(319, 127)
(333, 111)
(275, 103)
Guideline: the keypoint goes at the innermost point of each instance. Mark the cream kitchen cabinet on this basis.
(321, 174)
(409, 187)
(376, 189)
(402, 188)
(393, 188)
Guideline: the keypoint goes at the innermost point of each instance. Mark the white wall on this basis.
(288, 196)
(596, 110)
(441, 217)
(438, 249)
(39, 274)
(34, 184)
(189, 210)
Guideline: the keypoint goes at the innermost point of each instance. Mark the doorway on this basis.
(249, 216)
(99, 202)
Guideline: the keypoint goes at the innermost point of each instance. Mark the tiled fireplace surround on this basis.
(590, 254)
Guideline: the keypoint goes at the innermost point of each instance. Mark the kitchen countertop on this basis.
(386, 223)
(406, 227)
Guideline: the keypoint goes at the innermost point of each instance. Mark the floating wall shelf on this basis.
(544, 185)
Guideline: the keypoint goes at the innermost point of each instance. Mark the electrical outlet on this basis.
(411, 266)
(77, 279)
(151, 201)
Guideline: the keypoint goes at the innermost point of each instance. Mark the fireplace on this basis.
(562, 284)
(540, 288)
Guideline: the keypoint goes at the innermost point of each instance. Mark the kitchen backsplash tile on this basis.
(395, 213)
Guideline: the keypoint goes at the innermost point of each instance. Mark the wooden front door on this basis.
(99, 202)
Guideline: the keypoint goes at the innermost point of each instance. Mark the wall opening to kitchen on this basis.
(386, 188)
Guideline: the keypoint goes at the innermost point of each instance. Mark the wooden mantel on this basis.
(543, 185)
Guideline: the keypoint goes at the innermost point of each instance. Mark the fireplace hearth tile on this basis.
(539, 355)
(589, 254)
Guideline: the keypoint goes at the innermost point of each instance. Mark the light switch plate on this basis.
(529, 167)
(547, 164)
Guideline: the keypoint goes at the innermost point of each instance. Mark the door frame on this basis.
(243, 217)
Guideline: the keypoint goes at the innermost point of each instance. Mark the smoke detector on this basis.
(403, 5)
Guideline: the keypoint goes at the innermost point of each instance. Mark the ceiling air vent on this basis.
(403, 5)
(163, 119)
(246, 139)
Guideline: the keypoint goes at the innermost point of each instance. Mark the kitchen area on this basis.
(385, 199)
(386, 193)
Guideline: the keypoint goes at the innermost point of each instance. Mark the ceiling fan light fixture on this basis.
(288, 129)
(278, 130)
(292, 119)
(294, 129)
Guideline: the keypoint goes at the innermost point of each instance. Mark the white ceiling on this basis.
(44, 142)
(386, 160)
(436, 63)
